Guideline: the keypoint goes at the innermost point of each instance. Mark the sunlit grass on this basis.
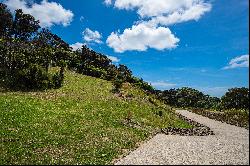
(80, 123)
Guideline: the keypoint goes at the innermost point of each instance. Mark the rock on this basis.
(198, 130)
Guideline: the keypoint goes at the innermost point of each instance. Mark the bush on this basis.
(117, 85)
(142, 84)
(232, 116)
(33, 77)
(94, 72)
(237, 98)
(57, 80)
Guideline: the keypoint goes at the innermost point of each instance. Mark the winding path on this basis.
(229, 145)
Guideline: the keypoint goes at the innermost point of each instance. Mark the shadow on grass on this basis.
(5, 89)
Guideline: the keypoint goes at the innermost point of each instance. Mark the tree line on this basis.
(234, 98)
(27, 52)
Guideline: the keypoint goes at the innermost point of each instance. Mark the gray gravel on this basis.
(229, 145)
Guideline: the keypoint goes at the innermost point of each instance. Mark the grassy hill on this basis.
(83, 122)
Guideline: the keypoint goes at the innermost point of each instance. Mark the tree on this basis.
(124, 73)
(26, 53)
(188, 97)
(112, 72)
(170, 96)
(6, 21)
(142, 84)
(52, 50)
(24, 25)
(237, 98)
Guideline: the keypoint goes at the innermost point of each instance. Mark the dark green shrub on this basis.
(57, 80)
(142, 84)
(93, 71)
(151, 100)
(237, 98)
(111, 73)
(160, 113)
(32, 77)
(117, 85)
(124, 73)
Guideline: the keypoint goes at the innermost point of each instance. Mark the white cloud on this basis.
(91, 36)
(76, 46)
(114, 59)
(48, 13)
(193, 13)
(154, 15)
(108, 2)
(16, 4)
(240, 61)
(141, 37)
(162, 84)
(81, 18)
(152, 8)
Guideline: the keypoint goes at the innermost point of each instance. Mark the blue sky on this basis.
(205, 46)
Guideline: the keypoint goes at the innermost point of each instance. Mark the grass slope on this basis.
(80, 123)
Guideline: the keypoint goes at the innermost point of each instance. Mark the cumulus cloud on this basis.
(152, 8)
(155, 15)
(193, 13)
(91, 36)
(162, 84)
(76, 46)
(240, 61)
(48, 13)
(114, 59)
(141, 37)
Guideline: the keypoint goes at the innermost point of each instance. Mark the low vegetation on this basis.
(237, 117)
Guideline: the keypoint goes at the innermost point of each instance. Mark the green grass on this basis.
(80, 123)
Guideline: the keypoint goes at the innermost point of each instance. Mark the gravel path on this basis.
(229, 145)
